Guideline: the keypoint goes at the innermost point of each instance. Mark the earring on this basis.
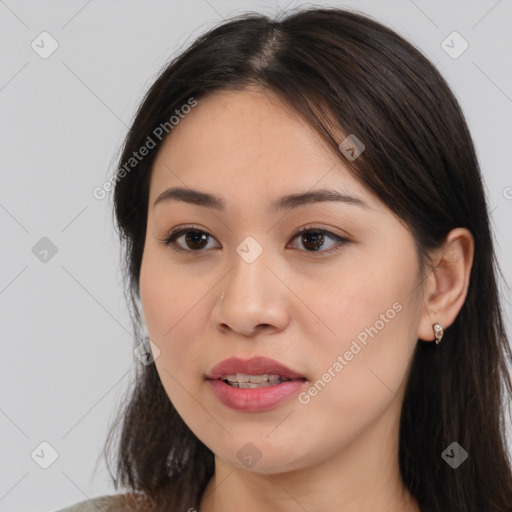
(438, 332)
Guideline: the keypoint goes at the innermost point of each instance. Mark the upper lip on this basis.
(253, 366)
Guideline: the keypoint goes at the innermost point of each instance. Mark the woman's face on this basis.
(339, 304)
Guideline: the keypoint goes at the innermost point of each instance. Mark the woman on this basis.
(308, 251)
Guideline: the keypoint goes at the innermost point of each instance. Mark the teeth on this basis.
(243, 380)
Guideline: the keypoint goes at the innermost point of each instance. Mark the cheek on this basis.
(154, 299)
(167, 296)
(171, 303)
(359, 383)
(367, 300)
(167, 303)
(372, 312)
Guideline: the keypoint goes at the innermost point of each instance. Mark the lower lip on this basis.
(255, 399)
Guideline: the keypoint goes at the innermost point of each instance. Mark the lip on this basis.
(254, 399)
(253, 366)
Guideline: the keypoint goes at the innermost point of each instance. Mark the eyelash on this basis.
(170, 239)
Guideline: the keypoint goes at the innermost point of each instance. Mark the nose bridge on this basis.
(251, 293)
(249, 273)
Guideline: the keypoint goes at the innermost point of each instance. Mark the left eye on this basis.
(312, 239)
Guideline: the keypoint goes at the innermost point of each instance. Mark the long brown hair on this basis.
(333, 64)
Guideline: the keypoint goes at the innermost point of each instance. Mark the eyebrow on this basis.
(288, 202)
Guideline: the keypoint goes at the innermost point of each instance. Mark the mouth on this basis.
(254, 385)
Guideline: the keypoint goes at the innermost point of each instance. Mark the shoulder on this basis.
(106, 503)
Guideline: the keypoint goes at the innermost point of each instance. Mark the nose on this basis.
(254, 300)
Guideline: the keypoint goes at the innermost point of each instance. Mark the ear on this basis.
(446, 286)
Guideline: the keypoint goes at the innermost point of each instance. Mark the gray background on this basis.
(66, 344)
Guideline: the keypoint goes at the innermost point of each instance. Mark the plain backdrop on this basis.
(67, 350)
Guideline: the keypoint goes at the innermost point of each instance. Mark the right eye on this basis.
(193, 240)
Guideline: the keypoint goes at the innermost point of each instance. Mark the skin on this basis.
(298, 306)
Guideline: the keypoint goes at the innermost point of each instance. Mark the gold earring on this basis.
(438, 332)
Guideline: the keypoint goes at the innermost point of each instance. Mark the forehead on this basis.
(243, 142)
